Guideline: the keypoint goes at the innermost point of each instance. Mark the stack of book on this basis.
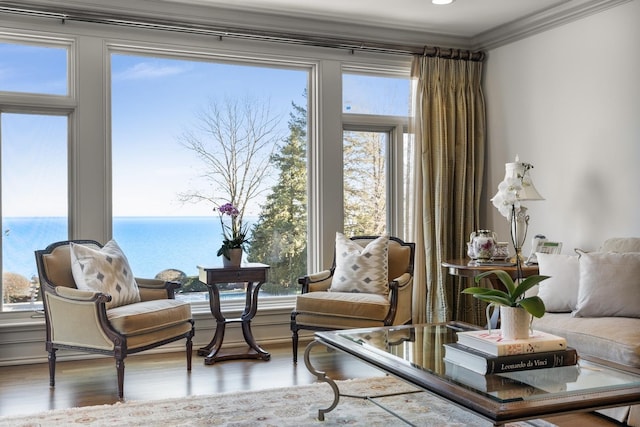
(485, 352)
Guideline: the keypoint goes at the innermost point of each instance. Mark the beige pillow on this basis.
(104, 270)
(358, 269)
(609, 285)
(560, 291)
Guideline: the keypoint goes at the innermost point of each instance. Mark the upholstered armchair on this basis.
(346, 296)
(114, 321)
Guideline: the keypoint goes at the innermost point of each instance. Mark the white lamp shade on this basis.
(518, 170)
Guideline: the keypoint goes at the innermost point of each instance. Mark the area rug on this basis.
(282, 407)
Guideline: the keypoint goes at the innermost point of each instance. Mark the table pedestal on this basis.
(254, 275)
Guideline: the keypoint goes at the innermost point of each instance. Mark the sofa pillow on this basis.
(621, 244)
(361, 269)
(104, 270)
(609, 285)
(560, 291)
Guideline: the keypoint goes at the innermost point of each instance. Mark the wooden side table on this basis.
(464, 267)
(254, 275)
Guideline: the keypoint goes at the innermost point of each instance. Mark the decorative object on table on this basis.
(492, 342)
(484, 363)
(482, 245)
(234, 236)
(502, 251)
(515, 188)
(513, 297)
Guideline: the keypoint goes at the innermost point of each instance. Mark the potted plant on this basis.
(234, 236)
(514, 298)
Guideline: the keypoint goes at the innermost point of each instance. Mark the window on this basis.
(33, 69)
(34, 122)
(191, 135)
(374, 153)
(365, 182)
(34, 200)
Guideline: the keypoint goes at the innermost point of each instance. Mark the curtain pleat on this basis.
(449, 135)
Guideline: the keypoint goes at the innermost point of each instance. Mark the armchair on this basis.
(321, 308)
(86, 320)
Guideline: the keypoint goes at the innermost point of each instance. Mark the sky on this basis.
(155, 101)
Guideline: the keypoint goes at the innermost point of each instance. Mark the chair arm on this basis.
(73, 294)
(154, 289)
(402, 281)
(320, 281)
(78, 318)
(400, 290)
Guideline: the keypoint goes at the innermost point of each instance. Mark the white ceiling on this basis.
(463, 18)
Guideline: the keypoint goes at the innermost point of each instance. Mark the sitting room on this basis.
(160, 137)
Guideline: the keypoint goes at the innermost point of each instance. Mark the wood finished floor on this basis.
(24, 389)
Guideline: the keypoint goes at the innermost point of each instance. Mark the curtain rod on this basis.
(72, 14)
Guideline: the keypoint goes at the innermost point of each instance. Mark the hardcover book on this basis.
(494, 385)
(484, 363)
(491, 342)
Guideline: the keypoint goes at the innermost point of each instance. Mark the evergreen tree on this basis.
(364, 183)
(279, 237)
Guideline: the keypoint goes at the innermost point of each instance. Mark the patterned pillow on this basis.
(104, 270)
(359, 269)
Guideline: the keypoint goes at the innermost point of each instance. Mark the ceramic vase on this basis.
(235, 258)
(483, 243)
(515, 323)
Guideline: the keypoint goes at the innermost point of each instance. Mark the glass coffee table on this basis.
(414, 354)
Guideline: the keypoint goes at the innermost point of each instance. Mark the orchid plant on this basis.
(507, 199)
(234, 234)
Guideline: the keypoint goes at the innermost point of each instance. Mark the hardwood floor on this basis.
(25, 389)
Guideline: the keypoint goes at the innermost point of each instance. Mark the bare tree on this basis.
(234, 141)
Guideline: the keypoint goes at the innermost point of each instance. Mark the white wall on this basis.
(568, 101)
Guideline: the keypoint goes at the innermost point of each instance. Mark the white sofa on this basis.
(593, 300)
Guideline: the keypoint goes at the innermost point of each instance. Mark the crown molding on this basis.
(343, 28)
(540, 22)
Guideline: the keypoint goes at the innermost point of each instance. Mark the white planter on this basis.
(235, 256)
(515, 323)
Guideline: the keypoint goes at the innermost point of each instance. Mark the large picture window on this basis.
(189, 136)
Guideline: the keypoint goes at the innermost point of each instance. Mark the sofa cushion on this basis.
(609, 285)
(361, 269)
(621, 244)
(104, 270)
(616, 339)
(148, 316)
(560, 291)
(344, 304)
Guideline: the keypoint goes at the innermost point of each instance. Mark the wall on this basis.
(568, 101)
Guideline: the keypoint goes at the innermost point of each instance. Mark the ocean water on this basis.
(151, 244)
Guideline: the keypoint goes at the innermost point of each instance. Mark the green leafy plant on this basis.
(514, 296)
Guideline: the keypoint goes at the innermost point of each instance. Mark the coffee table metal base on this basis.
(322, 376)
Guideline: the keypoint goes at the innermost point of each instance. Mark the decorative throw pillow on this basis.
(609, 285)
(560, 291)
(361, 269)
(104, 270)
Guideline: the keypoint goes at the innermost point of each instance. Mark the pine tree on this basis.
(279, 237)
(364, 183)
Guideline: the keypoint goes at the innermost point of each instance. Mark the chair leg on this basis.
(294, 341)
(189, 352)
(52, 366)
(120, 369)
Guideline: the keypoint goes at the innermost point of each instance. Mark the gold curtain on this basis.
(449, 134)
